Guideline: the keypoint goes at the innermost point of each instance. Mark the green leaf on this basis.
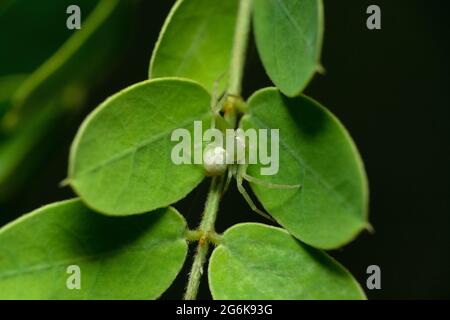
(259, 262)
(315, 151)
(289, 39)
(119, 258)
(196, 41)
(120, 160)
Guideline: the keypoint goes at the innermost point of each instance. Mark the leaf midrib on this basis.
(293, 22)
(137, 147)
(66, 262)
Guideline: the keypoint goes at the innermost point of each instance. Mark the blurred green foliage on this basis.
(47, 73)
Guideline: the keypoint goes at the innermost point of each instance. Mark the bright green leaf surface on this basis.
(119, 258)
(256, 261)
(121, 162)
(289, 38)
(316, 151)
(196, 41)
(41, 102)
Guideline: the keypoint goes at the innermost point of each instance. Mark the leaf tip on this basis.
(321, 69)
(64, 183)
(369, 228)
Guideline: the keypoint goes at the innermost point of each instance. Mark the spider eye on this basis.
(215, 160)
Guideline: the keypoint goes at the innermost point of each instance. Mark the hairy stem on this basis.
(206, 228)
(240, 47)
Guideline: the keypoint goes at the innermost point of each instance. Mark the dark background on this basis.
(390, 88)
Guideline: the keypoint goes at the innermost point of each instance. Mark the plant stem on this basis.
(240, 47)
(206, 227)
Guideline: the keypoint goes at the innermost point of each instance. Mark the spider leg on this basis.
(247, 197)
(266, 184)
(269, 184)
(213, 106)
(216, 107)
(216, 103)
(230, 173)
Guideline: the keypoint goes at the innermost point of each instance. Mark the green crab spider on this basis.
(215, 157)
